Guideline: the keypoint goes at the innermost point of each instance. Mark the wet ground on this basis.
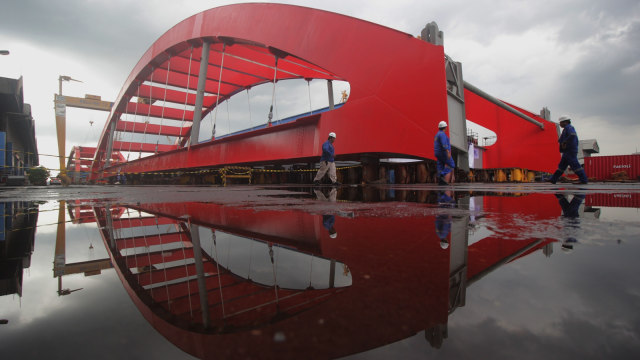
(497, 271)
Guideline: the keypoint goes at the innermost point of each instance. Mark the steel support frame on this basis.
(202, 80)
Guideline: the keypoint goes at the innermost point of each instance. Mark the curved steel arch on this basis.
(397, 94)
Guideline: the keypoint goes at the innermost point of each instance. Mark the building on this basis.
(18, 147)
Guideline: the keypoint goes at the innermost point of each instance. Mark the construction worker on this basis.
(442, 151)
(568, 141)
(327, 162)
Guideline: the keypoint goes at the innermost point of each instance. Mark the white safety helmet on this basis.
(564, 118)
(332, 134)
(442, 125)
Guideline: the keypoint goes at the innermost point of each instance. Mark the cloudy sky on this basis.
(576, 57)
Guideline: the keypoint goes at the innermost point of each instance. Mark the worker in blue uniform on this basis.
(327, 162)
(442, 151)
(568, 141)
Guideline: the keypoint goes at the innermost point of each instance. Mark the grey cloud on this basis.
(603, 83)
(581, 19)
(110, 35)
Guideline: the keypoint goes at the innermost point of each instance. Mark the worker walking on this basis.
(442, 151)
(568, 141)
(327, 161)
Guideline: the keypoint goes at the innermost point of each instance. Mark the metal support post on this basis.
(458, 258)
(112, 132)
(109, 222)
(202, 79)
(330, 91)
(202, 286)
(455, 98)
(61, 127)
(59, 259)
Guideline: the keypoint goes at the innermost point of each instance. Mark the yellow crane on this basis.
(91, 102)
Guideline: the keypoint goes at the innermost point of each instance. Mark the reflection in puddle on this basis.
(341, 279)
(17, 236)
(203, 272)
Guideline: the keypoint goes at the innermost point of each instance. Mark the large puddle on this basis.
(357, 272)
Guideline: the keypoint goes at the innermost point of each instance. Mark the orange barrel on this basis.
(516, 175)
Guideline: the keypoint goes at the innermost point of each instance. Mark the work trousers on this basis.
(569, 160)
(326, 166)
(444, 164)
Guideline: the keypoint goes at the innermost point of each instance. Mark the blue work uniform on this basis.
(440, 146)
(328, 221)
(443, 226)
(570, 209)
(568, 146)
(327, 152)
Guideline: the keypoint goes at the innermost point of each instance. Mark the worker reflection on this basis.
(570, 209)
(571, 212)
(443, 220)
(328, 221)
(442, 151)
(568, 141)
(326, 194)
(120, 179)
(327, 162)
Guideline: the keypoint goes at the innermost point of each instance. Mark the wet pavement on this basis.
(497, 271)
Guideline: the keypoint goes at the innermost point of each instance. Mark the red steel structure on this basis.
(398, 94)
(395, 263)
(519, 144)
(81, 157)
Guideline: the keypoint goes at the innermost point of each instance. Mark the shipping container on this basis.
(602, 167)
(630, 200)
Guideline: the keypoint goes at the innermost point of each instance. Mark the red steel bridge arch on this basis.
(398, 93)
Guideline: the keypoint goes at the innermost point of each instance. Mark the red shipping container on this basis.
(601, 167)
(631, 200)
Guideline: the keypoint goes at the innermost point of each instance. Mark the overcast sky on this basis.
(576, 57)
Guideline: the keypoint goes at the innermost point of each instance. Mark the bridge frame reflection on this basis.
(406, 274)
